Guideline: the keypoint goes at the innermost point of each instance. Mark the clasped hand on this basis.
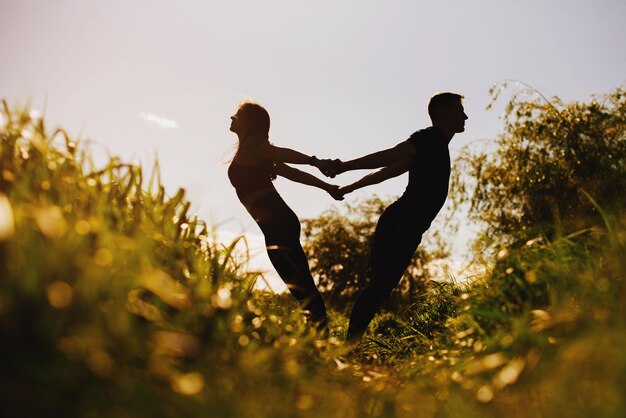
(336, 192)
(330, 168)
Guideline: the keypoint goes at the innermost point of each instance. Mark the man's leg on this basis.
(393, 247)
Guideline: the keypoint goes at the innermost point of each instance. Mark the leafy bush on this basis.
(534, 178)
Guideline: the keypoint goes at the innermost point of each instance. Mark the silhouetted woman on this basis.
(255, 165)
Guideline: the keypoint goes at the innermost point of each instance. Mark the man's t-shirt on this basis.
(429, 176)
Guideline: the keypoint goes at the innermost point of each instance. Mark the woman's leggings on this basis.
(281, 229)
(398, 233)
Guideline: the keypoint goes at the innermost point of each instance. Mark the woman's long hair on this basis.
(257, 117)
(257, 120)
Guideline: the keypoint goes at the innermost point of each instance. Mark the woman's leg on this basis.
(282, 239)
(290, 262)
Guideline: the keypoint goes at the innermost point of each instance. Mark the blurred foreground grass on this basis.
(116, 302)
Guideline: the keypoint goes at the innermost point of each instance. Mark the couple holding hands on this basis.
(424, 155)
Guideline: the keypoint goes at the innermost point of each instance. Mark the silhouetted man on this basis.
(426, 157)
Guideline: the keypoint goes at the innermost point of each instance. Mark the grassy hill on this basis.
(116, 302)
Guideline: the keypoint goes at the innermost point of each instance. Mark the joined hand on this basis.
(336, 192)
(330, 168)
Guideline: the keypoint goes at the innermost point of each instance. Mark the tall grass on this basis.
(111, 290)
(115, 301)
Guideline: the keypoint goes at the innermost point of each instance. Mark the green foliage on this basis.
(337, 245)
(414, 330)
(563, 300)
(549, 155)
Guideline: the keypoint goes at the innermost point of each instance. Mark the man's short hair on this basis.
(440, 101)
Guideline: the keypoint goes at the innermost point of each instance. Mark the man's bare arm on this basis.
(402, 151)
(379, 176)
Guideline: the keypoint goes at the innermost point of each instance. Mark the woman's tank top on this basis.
(248, 179)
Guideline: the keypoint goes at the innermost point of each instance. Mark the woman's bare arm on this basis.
(302, 177)
(288, 155)
(284, 155)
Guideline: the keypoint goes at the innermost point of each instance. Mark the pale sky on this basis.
(160, 78)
